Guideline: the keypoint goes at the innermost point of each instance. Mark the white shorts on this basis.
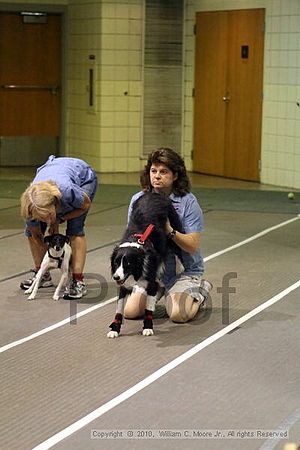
(190, 284)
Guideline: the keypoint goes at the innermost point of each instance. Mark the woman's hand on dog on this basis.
(189, 242)
(54, 228)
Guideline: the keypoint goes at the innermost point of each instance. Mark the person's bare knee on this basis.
(135, 305)
(181, 307)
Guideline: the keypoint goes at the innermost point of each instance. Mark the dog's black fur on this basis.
(141, 263)
(56, 241)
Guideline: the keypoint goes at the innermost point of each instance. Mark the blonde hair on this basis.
(39, 198)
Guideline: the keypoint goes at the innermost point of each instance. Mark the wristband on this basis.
(172, 234)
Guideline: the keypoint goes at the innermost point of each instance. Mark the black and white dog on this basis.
(58, 256)
(140, 256)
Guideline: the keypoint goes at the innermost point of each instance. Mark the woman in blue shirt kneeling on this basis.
(185, 289)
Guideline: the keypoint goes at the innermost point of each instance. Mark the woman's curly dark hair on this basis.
(174, 162)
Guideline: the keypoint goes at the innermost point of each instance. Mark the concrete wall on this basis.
(110, 137)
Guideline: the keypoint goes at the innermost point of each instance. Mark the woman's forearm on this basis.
(190, 243)
(73, 214)
(79, 211)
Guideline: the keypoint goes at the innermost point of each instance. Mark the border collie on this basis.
(58, 256)
(139, 258)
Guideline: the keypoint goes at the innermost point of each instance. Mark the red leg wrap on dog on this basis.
(148, 320)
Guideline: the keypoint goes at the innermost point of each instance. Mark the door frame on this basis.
(62, 10)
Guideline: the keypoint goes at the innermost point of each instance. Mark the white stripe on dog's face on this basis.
(130, 244)
(119, 276)
(119, 273)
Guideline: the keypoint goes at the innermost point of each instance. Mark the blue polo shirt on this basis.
(73, 177)
(191, 217)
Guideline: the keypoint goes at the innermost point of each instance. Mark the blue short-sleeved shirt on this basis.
(191, 217)
(73, 177)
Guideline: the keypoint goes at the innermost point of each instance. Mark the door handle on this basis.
(52, 88)
(226, 98)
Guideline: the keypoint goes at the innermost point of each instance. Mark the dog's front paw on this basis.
(55, 297)
(115, 326)
(148, 332)
(31, 297)
(148, 323)
(28, 291)
(112, 334)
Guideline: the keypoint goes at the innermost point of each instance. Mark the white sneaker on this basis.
(77, 289)
(204, 289)
(46, 281)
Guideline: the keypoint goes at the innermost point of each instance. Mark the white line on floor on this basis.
(286, 425)
(160, 372)
(252, 238)
(93, 308)
(56, 325)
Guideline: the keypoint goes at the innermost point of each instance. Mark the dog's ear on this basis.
(47, 239)
(114, 252)
(67, 239)
(113, 256)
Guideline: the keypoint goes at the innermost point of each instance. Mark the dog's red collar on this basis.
(143, 237)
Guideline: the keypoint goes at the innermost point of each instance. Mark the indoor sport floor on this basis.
(227, 380)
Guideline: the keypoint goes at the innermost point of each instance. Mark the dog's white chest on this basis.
(59, 259)
(53, 260)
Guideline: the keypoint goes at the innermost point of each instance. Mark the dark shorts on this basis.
(75, 227)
